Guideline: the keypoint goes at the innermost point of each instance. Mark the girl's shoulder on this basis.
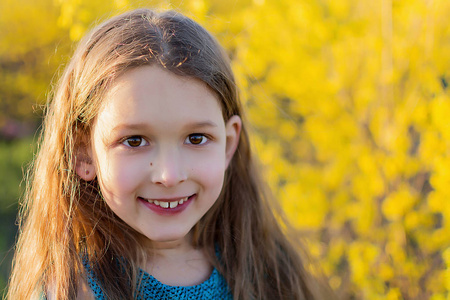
(84, 292)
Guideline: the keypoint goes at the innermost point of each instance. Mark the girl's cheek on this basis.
(121, 175)
(209, 172)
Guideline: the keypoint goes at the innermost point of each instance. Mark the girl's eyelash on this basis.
(197, 139)
(134, 141)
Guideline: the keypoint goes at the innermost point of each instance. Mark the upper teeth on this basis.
(167, 204)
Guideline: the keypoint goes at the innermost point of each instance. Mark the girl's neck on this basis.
(178, 263)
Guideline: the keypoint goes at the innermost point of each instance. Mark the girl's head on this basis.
(140, 78)
(157, 124)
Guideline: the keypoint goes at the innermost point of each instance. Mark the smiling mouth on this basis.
(167, 204)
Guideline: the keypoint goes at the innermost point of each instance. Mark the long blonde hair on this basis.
(64, 220)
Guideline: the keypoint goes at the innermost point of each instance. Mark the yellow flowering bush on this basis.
(349, 102)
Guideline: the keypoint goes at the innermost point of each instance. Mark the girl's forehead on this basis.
(154, 81)
(151, 94)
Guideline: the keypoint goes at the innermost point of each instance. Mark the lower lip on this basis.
(168, 211)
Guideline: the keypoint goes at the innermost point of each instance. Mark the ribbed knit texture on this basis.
(215, 287)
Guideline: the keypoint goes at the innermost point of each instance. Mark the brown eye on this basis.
(134, 141)
(196, 139)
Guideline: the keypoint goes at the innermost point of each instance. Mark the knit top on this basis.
(215, 287)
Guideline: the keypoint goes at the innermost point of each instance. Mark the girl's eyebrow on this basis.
(141, 126)
(201, 124)
(136, 126)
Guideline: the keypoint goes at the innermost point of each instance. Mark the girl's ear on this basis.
(233, 130)
(84, 165)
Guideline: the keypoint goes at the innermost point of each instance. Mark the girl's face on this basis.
(160, 148)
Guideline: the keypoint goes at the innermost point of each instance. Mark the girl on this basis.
(144, 186)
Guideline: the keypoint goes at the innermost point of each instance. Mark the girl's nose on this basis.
(167, 169)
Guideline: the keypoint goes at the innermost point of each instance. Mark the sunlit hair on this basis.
(64, 218)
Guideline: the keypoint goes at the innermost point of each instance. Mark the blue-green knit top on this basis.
(215, 287)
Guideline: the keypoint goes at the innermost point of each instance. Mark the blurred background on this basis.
(349, 102)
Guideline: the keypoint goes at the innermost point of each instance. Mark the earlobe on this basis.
(233, 131)
(84, 167)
